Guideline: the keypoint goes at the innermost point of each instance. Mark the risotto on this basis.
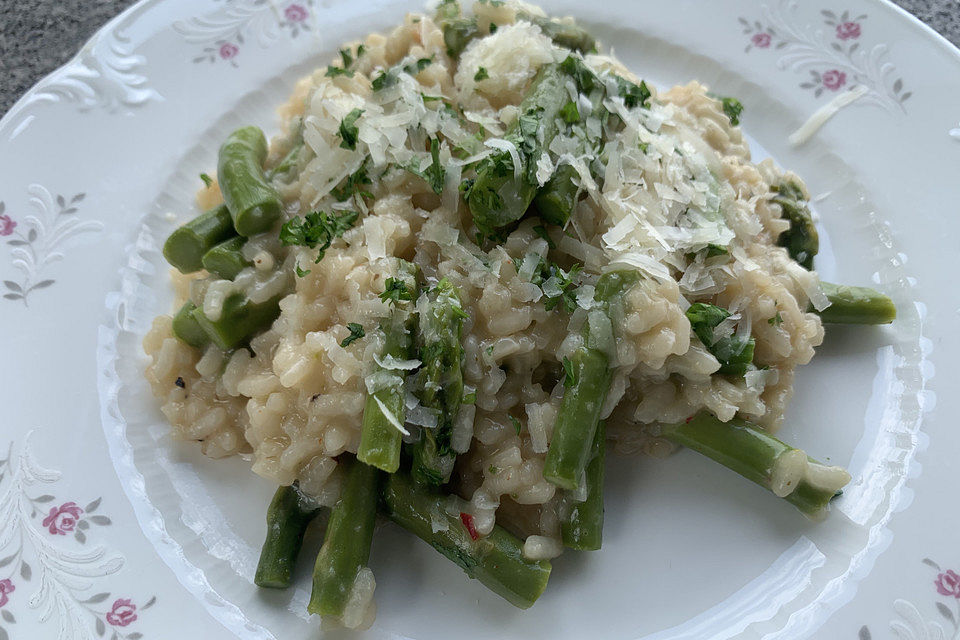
(479, 251)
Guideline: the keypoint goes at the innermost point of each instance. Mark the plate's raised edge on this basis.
(28, 98)
(917, 23)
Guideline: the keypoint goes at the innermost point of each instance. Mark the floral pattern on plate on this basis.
(224, 33)
(833, 53)
(35, 555)
(36, 241)
(913, 626)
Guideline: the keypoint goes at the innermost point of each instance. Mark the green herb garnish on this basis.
(570, 113)
(633, 95)
(353, 185)
(395, 291)
(733, 108)
(356, 332)
(333, 72)
(316, 229)
(349, 130)
(734, 354)
(207, 180)
(481, 74)
(434, 173)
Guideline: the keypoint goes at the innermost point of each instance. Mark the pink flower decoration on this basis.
(7, 225)
(848, 30)
(761, 40)
(834, 79)
(228, 50)
(62, 520)
(6, 586)
(295, 13)
(948, 584)
(122, 613)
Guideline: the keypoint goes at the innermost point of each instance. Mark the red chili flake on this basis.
(467, 521)
(689, 419)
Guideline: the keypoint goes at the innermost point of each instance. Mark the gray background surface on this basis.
(37, 36)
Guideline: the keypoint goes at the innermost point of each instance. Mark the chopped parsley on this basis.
(569, 373)
(776, 320)
(300, 272)
(481, 74)
(395, 290)
(356, 332)
(734, 354)
(515, 423)
(541, 231)
(493, 27)
(733, 108)
(633, 95)
(570, 113)
(493, 469)
(389, 77)
(207, 180)
(348, 60)
(558, 286)
(352, 185)
(349, 130)
(434, 173)
(316, 229)
(470, 398)
(575, 68)
(333, 72)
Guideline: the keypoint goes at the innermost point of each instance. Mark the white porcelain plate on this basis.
(109, 529)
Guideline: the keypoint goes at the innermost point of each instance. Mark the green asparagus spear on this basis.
(501, 193)
(759, 457)
(346, 544)
(288, 515)
(186, 246)
(856, 305)
(556, 200)
(186, 327)
(563, 34)
(253, 202)
(440, 379)
(734, 354)
(225, 259)
(496, 560)
(379, 434)
(801, 239)
(239, 320)
(582, 527)
(576, 424)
